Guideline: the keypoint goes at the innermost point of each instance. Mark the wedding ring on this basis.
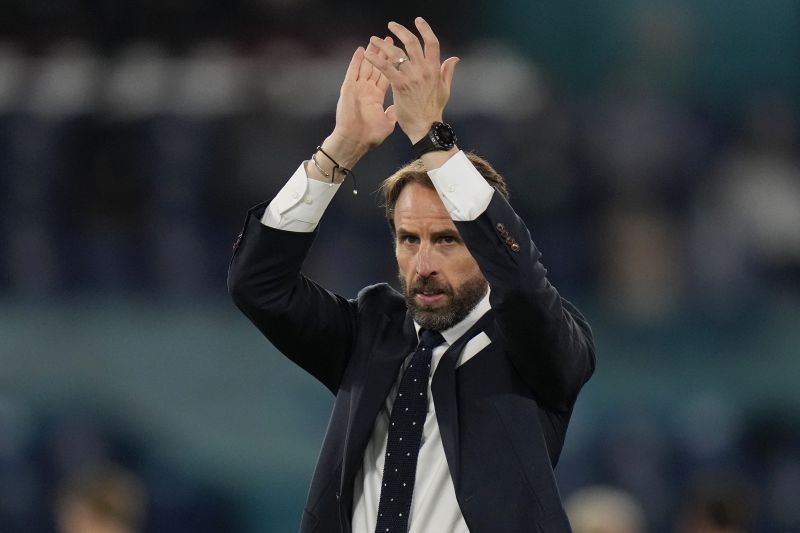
(400, 62)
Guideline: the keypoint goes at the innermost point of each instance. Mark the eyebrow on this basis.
(449, 232)
(446, 233)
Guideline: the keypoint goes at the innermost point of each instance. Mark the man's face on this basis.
(439, 277)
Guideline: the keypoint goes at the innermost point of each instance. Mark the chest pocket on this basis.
(473, 347)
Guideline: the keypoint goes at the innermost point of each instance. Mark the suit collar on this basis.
(380, 373)
(443, 388)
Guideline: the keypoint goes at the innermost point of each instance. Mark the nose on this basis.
(425, 266)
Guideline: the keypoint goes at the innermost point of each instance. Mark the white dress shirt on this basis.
(465, 193)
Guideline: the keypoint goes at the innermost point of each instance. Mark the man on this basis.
(452, 398)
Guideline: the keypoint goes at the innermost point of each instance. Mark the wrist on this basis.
(335, 149)
(440, 138)
(420, 131)
(345, 151)
(434, 160)
(415, 137)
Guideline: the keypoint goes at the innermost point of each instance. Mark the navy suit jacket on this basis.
(502, 414)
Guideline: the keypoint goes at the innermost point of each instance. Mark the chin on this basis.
(433, 319)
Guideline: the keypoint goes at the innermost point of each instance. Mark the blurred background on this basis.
(652, 147)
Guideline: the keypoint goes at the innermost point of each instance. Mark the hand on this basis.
(361, 121)
(421, 85)
(360, 116)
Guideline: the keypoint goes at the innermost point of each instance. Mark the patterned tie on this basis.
(405, 433)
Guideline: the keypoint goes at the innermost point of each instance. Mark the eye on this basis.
(409, 239)
(448, 239)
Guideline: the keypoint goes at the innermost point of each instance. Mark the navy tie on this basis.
(405, 433)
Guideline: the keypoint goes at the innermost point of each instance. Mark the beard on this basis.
(460, 301)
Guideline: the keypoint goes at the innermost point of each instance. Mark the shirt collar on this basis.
(452, 334)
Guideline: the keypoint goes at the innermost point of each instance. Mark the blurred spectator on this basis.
(104, 500)
(643, 271)
(747, 218)
(604, 509)
(725, 506)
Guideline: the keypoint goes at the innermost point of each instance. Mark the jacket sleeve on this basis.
(549, 341)
(310, 325)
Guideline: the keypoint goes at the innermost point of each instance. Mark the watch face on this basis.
(444, 135)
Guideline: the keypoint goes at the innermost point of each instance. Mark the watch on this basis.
(440, 137)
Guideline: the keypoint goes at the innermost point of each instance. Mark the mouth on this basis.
(429, 297)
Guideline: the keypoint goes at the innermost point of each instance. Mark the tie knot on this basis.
(430, 338)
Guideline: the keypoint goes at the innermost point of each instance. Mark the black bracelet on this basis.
(346, 171)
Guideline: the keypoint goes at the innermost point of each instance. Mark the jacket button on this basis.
(338, 495)
(500, 227)
(515, 247)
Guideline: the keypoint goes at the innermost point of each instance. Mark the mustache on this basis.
(428, 284)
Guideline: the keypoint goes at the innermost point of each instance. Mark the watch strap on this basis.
(430, 142)
(423, 146)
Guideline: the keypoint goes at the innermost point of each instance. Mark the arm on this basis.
(310, 325)
(548, 340)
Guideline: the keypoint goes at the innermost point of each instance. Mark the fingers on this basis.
(380, 61)
(390, 113)
(430, 40)
(389, 51)
(448, 69)
(355, 64)
(366, 68)
(409, 40)
(383, 81)
(376, 74)
(383, 54)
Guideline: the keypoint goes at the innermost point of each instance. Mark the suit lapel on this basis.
(443, 388)
(388, 352)
(381, 370)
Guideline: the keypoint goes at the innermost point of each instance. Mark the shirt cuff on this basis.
(465, 193)
(299, 205)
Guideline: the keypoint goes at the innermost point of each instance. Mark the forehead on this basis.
(418, 204)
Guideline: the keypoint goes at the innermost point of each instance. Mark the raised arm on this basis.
(310, 325)
(549, 342)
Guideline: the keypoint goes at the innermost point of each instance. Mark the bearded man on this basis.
(452, 397)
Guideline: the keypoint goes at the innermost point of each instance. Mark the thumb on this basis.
(390, 113)
(448, 69)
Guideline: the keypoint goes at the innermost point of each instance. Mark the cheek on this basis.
(467, 269)
(402, 263)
